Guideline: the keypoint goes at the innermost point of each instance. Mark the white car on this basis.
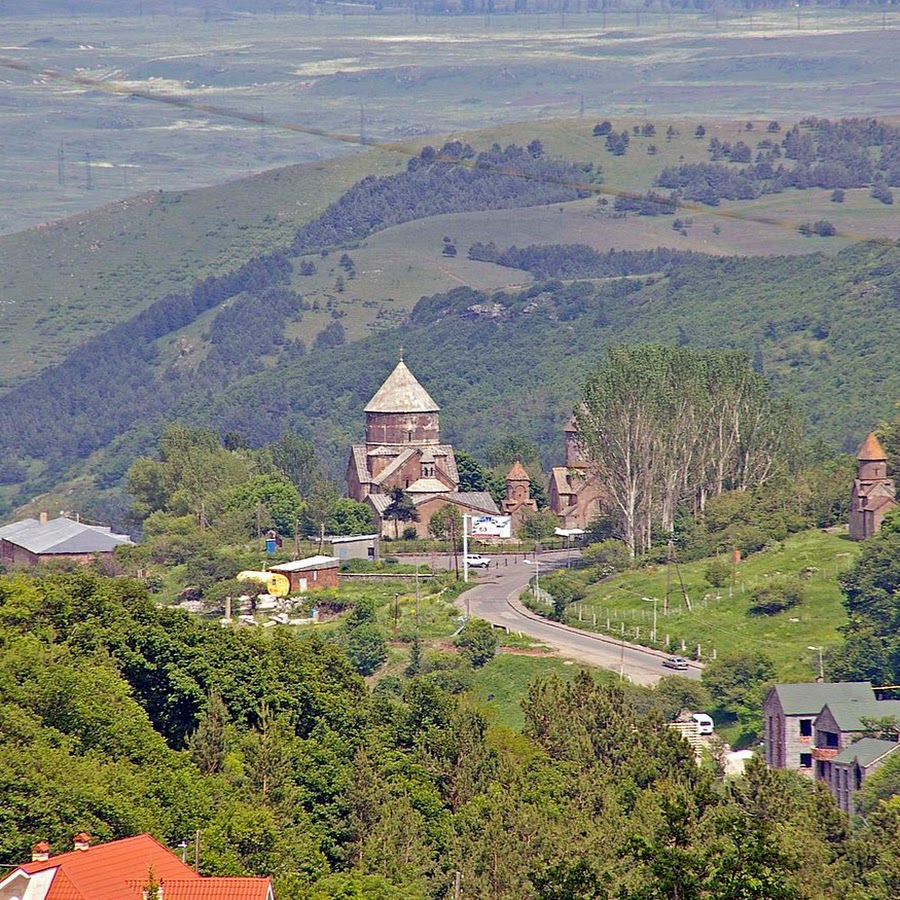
(675, 662)
(473, 561)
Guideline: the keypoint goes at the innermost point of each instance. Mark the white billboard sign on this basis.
(492, 526)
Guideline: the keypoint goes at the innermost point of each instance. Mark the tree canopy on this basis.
(663, 425)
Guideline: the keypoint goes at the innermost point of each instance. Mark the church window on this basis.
(409, 436)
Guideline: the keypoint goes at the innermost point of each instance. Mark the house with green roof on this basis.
(789, 714)
(840, 723)
(847, 771)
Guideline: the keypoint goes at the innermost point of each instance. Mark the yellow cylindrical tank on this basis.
(276, 584)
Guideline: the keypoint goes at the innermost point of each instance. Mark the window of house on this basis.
(806, 760)
(806, 727)
(831, 739)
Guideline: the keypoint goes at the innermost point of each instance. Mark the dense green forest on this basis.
(120, 717)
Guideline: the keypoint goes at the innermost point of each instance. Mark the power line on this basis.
(227, 112)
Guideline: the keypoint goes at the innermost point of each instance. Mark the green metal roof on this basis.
(808, 698)
(849, 713)
(866, 751)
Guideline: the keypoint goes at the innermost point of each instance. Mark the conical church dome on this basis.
(871, 449)
(401, 393)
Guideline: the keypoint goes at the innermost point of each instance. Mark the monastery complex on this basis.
(403, 449)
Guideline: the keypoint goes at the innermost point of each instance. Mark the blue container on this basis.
(270, 546)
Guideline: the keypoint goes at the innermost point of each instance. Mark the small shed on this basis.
(312, 573)
(355, 546)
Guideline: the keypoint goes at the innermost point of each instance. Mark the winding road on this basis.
(495, 598)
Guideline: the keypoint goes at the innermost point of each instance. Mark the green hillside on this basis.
(65, 282)
(513, 362)
(718, 620)
(296, 326)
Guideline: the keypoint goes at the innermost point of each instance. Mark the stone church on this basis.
(518, 503)
(403, 449)
(577, 495)
(872, 497)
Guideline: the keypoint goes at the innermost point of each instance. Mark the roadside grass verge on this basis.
(718, 620)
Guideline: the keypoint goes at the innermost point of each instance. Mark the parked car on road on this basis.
(675, 662)
(473, 561)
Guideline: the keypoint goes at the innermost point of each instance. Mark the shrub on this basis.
(747, 538)
(837, 196)
(718, 572)
(880, 191)
(776, 596)
(609, 556)
(564, 589)
(366, 648)
(410, 533)
(478, 642)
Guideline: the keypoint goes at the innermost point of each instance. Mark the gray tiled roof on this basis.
(61, 535)
(480, 500)
(396, 463)
(866, 751)
(848, 714)
(401, 393)
(809, 697)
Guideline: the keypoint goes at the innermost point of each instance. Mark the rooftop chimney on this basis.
(43, 518)
(40, 852)
(82, 841)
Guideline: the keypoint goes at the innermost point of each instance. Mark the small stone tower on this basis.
(873, 495)
(518, 500)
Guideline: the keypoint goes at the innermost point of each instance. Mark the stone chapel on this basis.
(577, 495)
(403, 449)
(873, 495)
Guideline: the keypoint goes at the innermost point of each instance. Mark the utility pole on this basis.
(821, 664)
(465, 523)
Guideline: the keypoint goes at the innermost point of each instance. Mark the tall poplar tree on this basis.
(667, 425)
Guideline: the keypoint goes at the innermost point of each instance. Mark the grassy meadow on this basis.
(718, 619)
(62, 283)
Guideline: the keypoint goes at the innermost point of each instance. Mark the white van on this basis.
(704, 723)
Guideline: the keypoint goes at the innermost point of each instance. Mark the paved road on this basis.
(495, 598)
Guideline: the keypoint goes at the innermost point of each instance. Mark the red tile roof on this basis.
(101, 872)
(120, 869)
(208, 889)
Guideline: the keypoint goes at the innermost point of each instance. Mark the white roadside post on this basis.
(465, 520)
(653, 601)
